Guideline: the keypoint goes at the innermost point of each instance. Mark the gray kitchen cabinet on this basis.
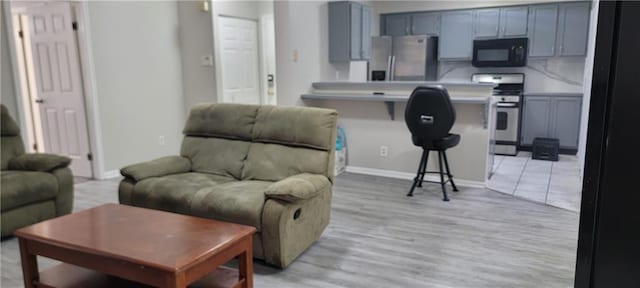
(349, 31)
(427, 23)
(365, 36)
(535, 120)
(565, 125)
(397, 24)
(513, 21)
(456, 35)
(487, 23)
(551, 117)
(573, 29)
(543, 23)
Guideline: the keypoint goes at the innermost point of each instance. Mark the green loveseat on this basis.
(266, 166)
(34, 187)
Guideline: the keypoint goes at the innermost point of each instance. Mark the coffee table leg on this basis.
(30, 272)
(245, 261)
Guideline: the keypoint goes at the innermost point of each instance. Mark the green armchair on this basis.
(264, 166)
(34, 187)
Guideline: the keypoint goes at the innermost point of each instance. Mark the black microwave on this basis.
(500, 52)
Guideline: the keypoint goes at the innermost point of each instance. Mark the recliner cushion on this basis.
(295, 126)
(274, 162)
(218, 156)
(20, 188)
(173, 193)
(238, 202)
(231, 121)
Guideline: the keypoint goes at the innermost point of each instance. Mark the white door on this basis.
(239, 60)
(53, 65)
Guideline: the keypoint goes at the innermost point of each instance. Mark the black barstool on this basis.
(430, 116)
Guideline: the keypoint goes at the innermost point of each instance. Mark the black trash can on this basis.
(545, 149)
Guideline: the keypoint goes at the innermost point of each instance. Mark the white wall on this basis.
(196, 40)
(139, 79)
(8, 96)
(302, 29)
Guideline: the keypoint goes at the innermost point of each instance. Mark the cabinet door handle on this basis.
(553, 50)
(561, 46)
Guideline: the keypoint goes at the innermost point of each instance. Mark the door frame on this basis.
(80, 10)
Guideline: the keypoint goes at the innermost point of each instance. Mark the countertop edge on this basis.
(331, 84)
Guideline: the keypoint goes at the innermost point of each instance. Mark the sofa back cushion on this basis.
(218, 156)
(11, 143)
(289, 141)
(229, 121)
(251, 142)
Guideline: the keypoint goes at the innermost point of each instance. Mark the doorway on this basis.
(239, 65)
(244, 50)
(49, 69)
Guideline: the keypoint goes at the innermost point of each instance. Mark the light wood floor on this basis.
(380, 238)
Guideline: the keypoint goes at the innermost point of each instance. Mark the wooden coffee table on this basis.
(122, 246)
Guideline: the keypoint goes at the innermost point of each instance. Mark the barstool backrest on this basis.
(429, 114)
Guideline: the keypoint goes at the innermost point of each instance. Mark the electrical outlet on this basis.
(161, 140)
(384, 151)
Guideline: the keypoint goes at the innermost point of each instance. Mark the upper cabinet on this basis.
(543, 23)
(554, 29)
(456, 35)
(513, 21)
(508, 22)
(427, 23)
(349, 31)
(487, 23)
(397, 25)
(573, 29)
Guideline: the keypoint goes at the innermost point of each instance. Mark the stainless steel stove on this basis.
(509, 95)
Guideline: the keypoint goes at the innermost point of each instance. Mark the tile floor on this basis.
(557, 184)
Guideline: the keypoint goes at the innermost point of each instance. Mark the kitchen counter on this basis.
(392, 85)
(552, 94)
(367, 130)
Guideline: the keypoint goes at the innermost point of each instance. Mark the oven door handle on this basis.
(507, 105)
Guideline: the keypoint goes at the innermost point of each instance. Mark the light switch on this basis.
(206, 60)
(295, 55)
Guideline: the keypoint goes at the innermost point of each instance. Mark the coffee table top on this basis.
(148, 237)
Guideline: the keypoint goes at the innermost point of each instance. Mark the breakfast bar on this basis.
(475, 108)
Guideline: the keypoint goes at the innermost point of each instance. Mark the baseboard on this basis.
(409, 176)
(110, 175)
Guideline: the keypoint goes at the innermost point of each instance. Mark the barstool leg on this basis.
(424, 167)
(444, 188)
(446, 164)
(415, 180)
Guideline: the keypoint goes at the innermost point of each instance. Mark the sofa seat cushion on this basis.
(20, 188)
(173, 193)
(238, 202)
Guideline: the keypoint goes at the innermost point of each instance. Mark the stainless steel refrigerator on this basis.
(404, 58)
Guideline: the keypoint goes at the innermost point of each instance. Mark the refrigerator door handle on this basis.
(389, 66)
(392, 71)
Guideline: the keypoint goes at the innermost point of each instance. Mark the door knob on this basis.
(40, 100)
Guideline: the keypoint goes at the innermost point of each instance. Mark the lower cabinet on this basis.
(551, 117)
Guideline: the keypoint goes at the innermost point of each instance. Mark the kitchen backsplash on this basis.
(563, 75)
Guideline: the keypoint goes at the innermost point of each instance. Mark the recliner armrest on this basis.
(156, 168)
(42, 162)
(298, 187)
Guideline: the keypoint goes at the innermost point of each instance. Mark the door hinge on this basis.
(35, 146)
(20, 34)
(90, 157)
(74, 25)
